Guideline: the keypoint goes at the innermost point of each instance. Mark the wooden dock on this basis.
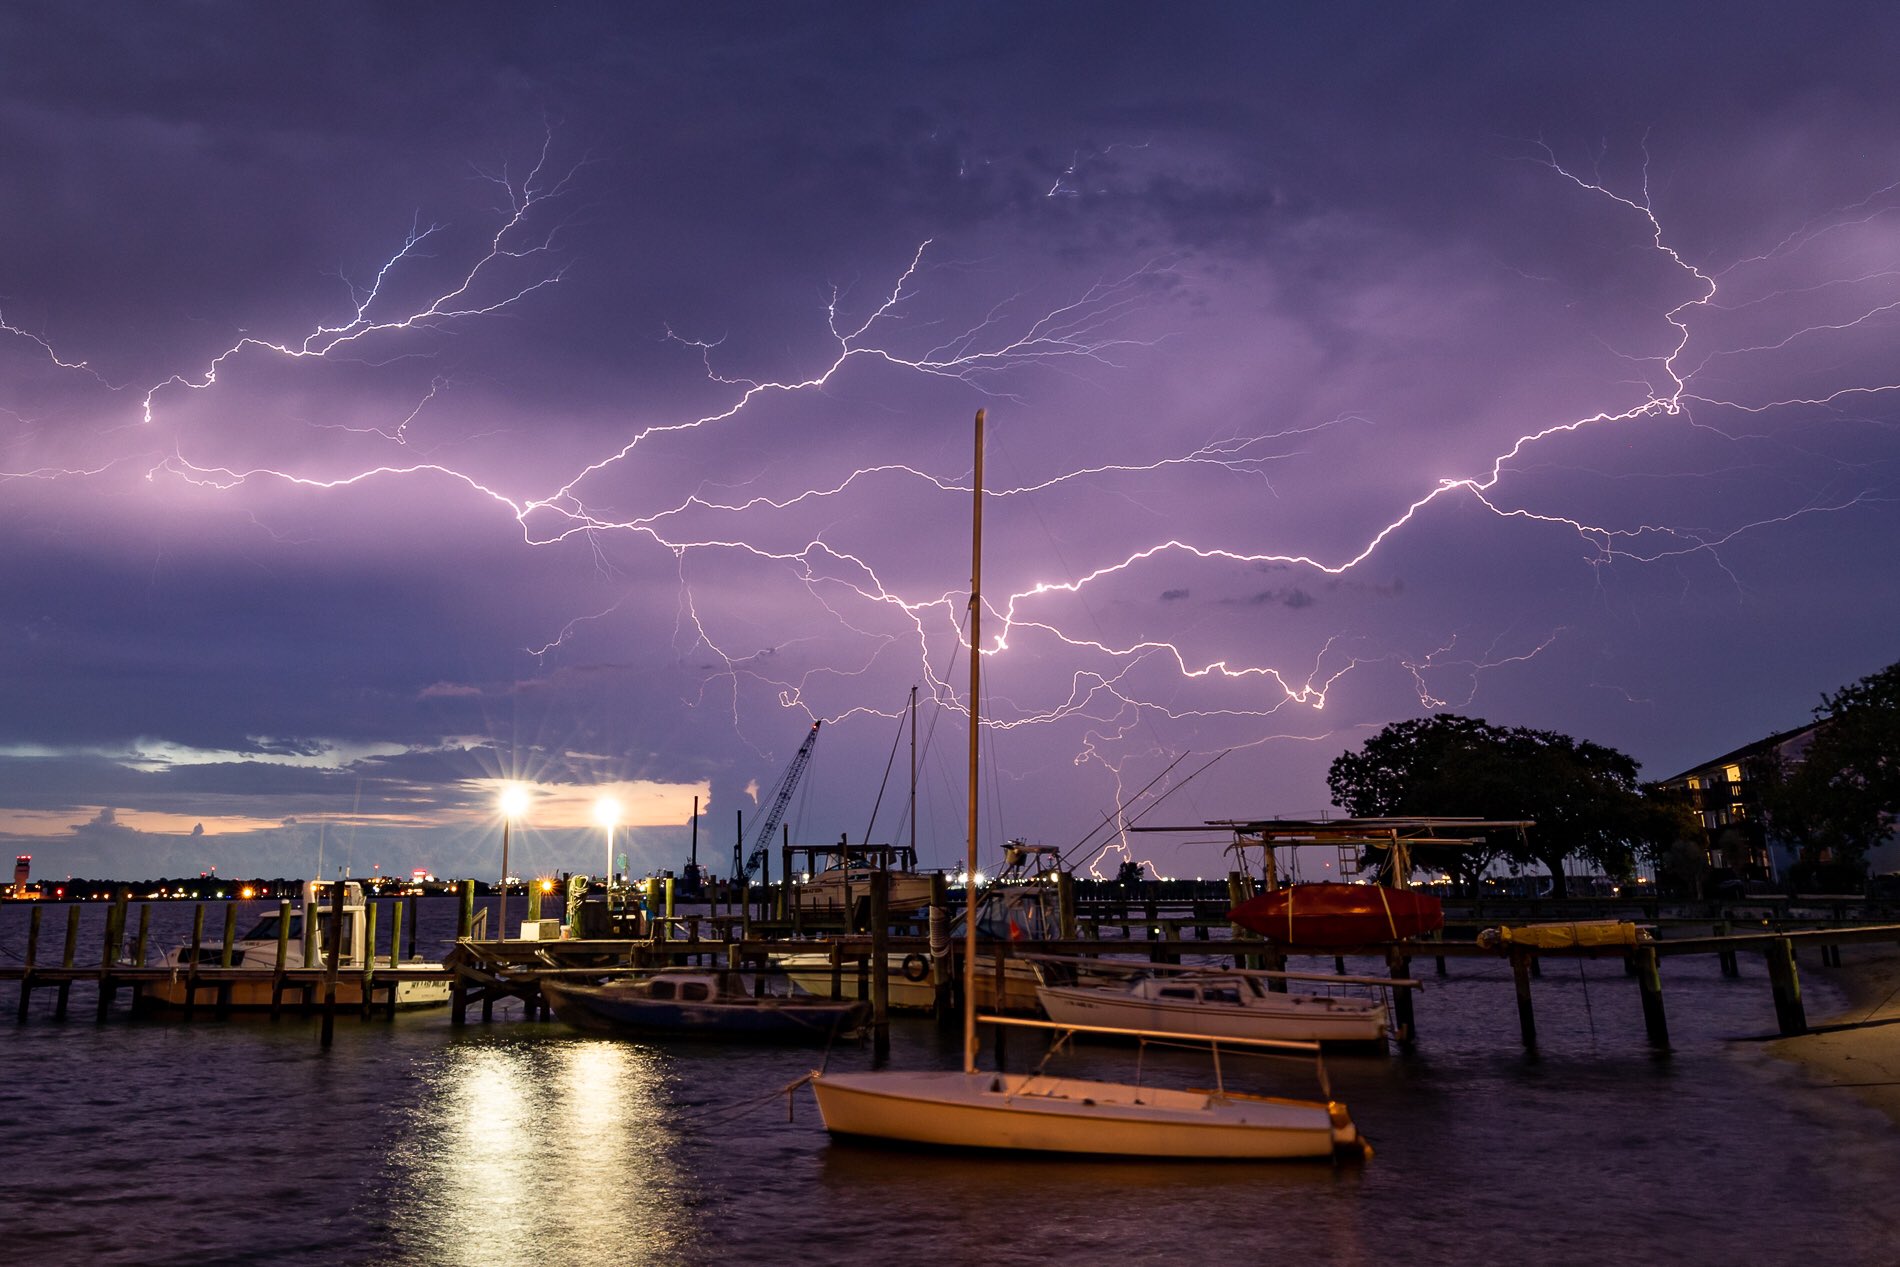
(481, 972)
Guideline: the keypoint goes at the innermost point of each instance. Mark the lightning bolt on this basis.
(1110, 687)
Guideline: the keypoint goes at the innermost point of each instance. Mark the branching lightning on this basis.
(1108, 686)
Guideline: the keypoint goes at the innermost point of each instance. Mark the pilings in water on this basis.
(1649, 982)
(1526, 1018)
(32, 956)
(1399, 966)
(1786, 981)
(880, 966)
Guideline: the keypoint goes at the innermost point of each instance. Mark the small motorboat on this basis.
(1330, 915)
(700, 1003)
(910, 980)
(306, 938)
(1216, 1005)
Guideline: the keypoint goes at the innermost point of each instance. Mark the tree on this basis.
(1840, 798)
(1583, 797)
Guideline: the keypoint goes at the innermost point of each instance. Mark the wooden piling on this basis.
(369, 954)
(465, 916)
(71, 955)
(1521, 962)
(1790, 1015)
(283, 958)
(1400, 969)
(32, 957)
(1065, 905)
(880, 966)
(144, 938)
(109, 954)
(191, 969)
(395, 924)
(225, 957)
(1725, 958)
(335, 957)
(940, 957)
(1649, 981)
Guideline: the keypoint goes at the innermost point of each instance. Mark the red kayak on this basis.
(1329, 915)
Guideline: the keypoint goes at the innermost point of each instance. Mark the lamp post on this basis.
(514, 801)
(607, 814)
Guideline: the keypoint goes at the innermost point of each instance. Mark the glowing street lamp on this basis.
(607, 814)
(514, 803)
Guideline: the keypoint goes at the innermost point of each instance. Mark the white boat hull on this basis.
(251, 991)
(909, 978)
(1037, 1113)
(1295, 1017)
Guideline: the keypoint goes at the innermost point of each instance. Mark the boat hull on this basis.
(252, 992)
(1336, 916)
(607, 1010)
(911, 988)
(1039, 1114)
(1286, 1017)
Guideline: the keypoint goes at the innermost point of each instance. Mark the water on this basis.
(412, 1142)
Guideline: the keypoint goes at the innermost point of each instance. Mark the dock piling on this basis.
(335, 960)
(1786, 981)
(224, 957)
(1400, 968)
(32, 956)
(67, 960)
(283, 959)
(1526, 1020)
(1649, 981)
(880, 967)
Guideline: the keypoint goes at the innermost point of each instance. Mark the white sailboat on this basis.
(1036, 1112)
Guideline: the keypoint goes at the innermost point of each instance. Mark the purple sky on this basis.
(397, 398)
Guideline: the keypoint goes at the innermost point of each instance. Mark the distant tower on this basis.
(22, 867)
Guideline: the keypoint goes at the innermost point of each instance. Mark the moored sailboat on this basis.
(1035, 1112)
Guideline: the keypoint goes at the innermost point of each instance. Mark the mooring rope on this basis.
(717, 1114)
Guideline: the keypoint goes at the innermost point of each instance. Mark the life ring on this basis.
(916, 967)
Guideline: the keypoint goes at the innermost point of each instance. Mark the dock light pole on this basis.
(607, 814)
(514, 803)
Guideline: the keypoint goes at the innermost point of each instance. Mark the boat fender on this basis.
(916, 967)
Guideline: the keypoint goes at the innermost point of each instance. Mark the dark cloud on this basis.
(1335, 228)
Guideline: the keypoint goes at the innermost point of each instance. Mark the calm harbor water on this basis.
(518, 1142)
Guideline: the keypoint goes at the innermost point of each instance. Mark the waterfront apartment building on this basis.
(1726, 794)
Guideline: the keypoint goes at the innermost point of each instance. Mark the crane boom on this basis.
(781, 797)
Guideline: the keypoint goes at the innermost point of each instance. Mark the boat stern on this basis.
(1348, 1143)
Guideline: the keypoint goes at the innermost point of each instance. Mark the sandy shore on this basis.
(1857, 1051)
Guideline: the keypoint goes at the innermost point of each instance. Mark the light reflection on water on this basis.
(539, 1141)
(522, 1142)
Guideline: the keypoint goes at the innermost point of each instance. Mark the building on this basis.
(1726, 794)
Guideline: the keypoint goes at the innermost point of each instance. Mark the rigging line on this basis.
(1177, 787)
(883, 783)
(1115, 813)
(1588, 1012)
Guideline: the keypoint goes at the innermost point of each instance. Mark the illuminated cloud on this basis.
(369, 438)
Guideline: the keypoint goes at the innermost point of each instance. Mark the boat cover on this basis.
(1330, 914)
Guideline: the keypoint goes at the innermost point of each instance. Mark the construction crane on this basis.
(781, 797)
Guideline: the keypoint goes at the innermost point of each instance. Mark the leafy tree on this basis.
(1841, 797)
(1583, 797)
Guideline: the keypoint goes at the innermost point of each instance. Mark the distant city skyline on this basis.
(404, 401)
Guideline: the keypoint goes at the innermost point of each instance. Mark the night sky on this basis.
(398, 398)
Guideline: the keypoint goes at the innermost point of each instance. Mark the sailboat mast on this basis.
(976, 679)
(913, 775)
